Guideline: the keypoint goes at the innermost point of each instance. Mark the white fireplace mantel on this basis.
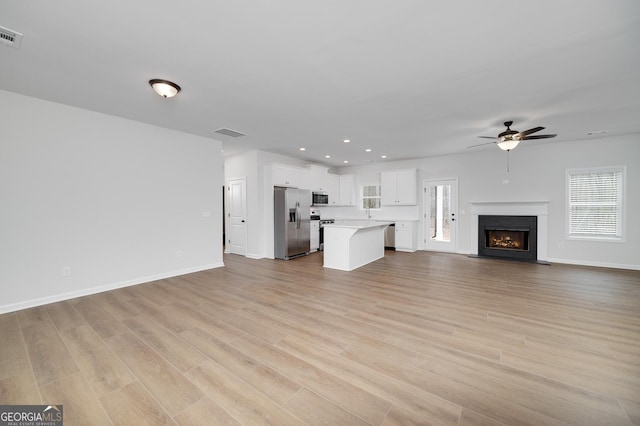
(512, 208)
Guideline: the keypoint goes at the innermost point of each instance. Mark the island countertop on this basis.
(357, 224)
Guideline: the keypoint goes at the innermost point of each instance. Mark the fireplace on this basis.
(508, 237)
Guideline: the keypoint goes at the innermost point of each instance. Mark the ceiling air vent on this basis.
(229, 132)
(10, 38)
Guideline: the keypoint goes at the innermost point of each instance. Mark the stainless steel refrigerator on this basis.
(291, 222)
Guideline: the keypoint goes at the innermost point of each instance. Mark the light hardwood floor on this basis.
(414, 338)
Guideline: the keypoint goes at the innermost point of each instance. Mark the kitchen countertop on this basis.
(357, 224)
(375, 219)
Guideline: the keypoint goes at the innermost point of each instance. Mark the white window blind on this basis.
(596, 203)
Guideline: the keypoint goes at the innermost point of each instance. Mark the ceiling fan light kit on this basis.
(508, 145)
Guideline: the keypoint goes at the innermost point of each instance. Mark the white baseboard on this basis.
(254, 256)
(597, 264)
(93, 290)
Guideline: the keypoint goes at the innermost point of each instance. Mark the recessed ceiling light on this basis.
(327, 156)
(303, 149)
(368, 150)
(346, 161)
(383, 156)
(346, 141)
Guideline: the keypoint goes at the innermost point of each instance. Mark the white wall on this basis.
(117, 201)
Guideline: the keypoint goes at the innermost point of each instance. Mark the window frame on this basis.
(620, 210)
(378, 197)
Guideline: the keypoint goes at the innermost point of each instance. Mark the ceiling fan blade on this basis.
(539, 137)
(480, 144)
(528, 132)
(487, 137)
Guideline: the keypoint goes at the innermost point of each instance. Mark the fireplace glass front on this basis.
(507, 240)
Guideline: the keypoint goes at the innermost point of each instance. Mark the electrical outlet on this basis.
(179, 253)
(66, 271)
(206, 213)
(505, 181)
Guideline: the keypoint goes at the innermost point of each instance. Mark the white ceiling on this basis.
(404, 78)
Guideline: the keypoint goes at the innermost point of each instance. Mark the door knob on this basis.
(242, 221)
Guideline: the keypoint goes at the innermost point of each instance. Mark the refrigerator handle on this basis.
(298, 214)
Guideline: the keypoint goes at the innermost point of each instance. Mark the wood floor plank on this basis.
(175, 350)
(32, 316)
(315, 410)
(431, 354)
(81, 405)
(162, 316)
(105, 324)
(133, 404)
(470, 418)
(116, 305)
(407, 400)
(64, 315)
(98, 363)
(289, 327)
(50, 359)
(164, 381)
(632, 408)
(547, 368)
(20, 389)
(357, 401)
(563, 410)
(267, 380)
(243, 401)
(205, 412)
(246, 325)
(13, 352)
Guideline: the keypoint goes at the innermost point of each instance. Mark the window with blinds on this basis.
(595, 203)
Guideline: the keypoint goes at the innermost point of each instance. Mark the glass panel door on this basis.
(441, 209)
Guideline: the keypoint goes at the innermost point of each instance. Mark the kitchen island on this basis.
(350, 244)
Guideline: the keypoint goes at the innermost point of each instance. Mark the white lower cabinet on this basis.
(315, 235)
(406, 238)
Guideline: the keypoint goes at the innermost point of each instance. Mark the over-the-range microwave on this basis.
(319, 198)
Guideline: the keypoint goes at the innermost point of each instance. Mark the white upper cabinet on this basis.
(290, 176)
(347, 197)
(339, 187)
(318, 178)
(399, 188)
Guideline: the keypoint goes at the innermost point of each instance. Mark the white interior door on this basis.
(441, 213)
(236, 215)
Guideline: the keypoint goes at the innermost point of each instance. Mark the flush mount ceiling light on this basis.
(164, 88)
